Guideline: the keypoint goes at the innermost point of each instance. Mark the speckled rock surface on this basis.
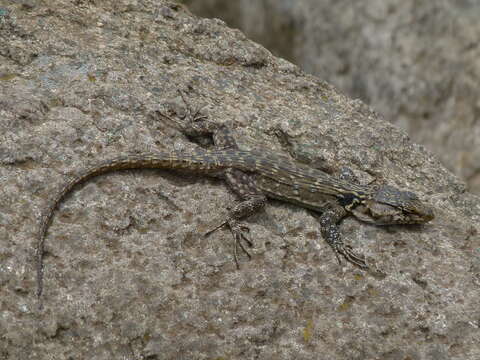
(414, 62)
(128, 274)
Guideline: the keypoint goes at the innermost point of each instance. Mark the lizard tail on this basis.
(198, 161)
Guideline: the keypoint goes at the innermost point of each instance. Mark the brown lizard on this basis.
(254, 177)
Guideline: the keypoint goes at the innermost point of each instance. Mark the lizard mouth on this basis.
(419, 213)
(383, 214)
(425, 215)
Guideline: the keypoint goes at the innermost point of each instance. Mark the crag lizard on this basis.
(254, 177)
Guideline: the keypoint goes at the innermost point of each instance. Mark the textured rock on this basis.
(415, 62)
(128, 274)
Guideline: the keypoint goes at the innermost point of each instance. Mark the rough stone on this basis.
(128, 274)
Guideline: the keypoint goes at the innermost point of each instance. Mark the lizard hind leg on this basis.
(240, 231)
(252, 201)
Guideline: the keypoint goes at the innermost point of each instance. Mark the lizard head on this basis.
(386, 205)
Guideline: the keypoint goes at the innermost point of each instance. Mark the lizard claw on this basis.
(240, 233)
(192, 122)
(215, 228)
(347, 252)
(193, 116)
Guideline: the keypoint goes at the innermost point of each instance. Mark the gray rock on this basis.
(127, 272)
(414, 62)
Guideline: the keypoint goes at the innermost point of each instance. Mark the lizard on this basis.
(255, 176)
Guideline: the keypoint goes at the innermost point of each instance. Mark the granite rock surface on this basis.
(128, 274)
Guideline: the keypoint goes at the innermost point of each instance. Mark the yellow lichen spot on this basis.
(54, 102)
(7, 77)
(358, 276)
(91, 78)
(308, 331)
(347, 304)
(373, 292)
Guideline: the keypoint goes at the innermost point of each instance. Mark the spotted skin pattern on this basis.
(256, 176)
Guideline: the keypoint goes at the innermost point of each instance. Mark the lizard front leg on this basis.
(329, 228)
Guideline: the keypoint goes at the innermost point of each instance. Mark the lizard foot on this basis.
(347, 252)
(240, 233)
(192, 123)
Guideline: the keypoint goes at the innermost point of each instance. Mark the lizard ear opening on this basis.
(362, 213)
(375, 212)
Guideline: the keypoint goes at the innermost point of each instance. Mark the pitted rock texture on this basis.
(128, 274)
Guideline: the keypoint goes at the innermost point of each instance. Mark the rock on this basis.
(127, 271)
